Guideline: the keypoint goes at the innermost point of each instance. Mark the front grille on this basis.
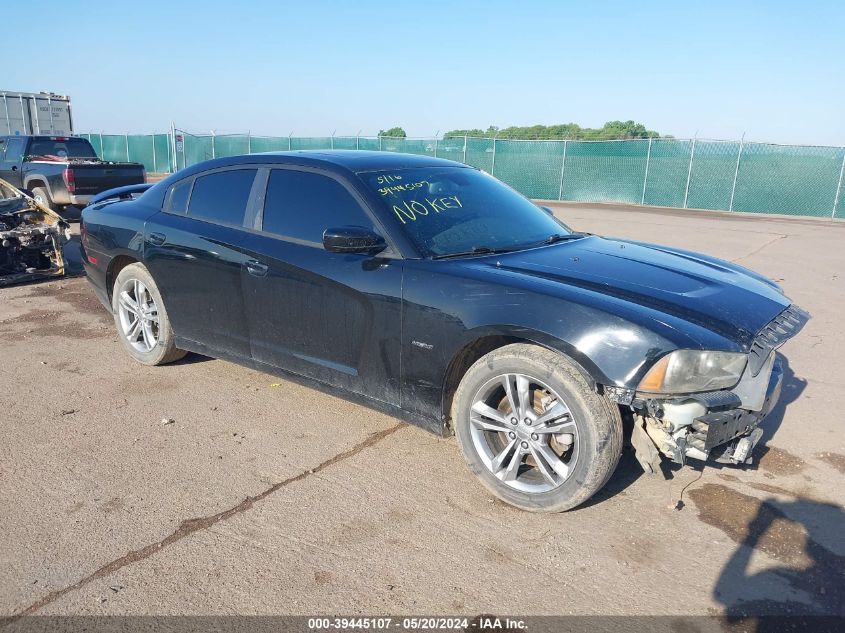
(782, 328)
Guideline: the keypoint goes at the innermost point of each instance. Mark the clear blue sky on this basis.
(774, 70)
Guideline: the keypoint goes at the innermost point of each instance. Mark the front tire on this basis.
(141, 319)
(533, 431)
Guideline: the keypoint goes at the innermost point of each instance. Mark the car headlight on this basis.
(688, 371)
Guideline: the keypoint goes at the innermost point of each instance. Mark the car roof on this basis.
(352, 160)
(368, 160)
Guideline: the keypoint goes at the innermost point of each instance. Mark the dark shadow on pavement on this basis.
(626, 473)
(191, 359)
(72, 252)
(806, 539)
(791, 389)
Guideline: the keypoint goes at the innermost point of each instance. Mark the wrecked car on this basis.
(432, 291)
(31, 238)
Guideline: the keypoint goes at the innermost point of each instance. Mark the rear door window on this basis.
(303, 204)
(222, 196)
(14, 149)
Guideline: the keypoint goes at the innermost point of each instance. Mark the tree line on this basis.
(570, 131)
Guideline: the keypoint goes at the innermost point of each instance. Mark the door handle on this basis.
(157, 238)
(256, 269)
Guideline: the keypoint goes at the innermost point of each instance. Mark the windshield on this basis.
(62, 148)
(451, 210)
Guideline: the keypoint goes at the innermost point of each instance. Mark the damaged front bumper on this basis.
(720, 425)
(31, 238)
(711, 426)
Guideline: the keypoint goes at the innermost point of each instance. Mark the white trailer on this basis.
(35, 113)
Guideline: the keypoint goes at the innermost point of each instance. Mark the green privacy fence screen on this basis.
(686, 173)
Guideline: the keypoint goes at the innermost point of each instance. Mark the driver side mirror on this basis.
(352, 239)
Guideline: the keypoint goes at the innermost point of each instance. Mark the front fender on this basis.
(613, 341)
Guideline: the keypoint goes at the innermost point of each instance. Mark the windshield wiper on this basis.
(475, 250)
(560, 237)
(486, 250)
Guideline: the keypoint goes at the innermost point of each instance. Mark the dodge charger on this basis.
(430, 290)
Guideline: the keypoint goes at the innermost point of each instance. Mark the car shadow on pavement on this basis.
(804, 537)
(191, 359)
(791, 389)
(626, 473)
(72, 252)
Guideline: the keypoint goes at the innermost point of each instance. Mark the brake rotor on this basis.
(559, 442)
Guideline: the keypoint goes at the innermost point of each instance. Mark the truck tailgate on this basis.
(91, 179)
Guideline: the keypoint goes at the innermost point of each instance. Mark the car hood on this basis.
(718, 295)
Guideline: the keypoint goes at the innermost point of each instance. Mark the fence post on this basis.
(126, 144)
(736, 171)
(332, 141)
(102, 149)
(249, 142)
(435, 147)
(170, 158)
(379, 142)
(175, 162)
(562, 170)
(289, 145)
(689, 171)
(838, 186)
(213, 149)
(357, 137)
(465, 149)
(155, 165)
(647, 162)
(493, 164)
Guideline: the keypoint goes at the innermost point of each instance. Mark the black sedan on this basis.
(430, 290)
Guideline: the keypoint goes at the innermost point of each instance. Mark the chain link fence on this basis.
(686, 173)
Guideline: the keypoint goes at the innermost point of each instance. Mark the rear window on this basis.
(177, 199)
(61, 148)
(222, 196)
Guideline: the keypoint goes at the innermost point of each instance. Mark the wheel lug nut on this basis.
(514, 421)
(524, 445)
(535, 437)
(527, 421)
(512, 435)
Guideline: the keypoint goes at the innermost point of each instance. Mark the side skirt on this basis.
(433, 425)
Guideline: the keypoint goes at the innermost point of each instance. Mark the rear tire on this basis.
(140, 317)
(42, 196)
(558, 450)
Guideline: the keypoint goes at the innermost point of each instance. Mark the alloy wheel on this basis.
(138, 314)
(524, 433)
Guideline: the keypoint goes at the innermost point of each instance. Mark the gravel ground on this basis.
(255, 498)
